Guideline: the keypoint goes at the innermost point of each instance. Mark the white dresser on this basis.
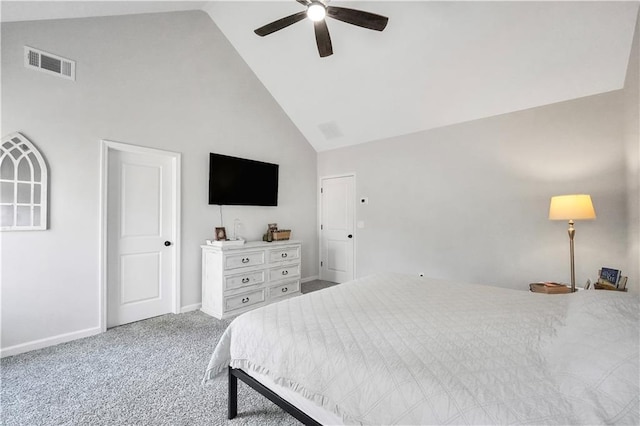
(236, 279)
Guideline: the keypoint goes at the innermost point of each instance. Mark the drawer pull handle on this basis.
(245, 260)
(284, 255)
(285, 289)
(245, 299)
(285, 272)
(245, 280)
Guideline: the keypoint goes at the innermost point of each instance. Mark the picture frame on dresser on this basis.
(221, 234)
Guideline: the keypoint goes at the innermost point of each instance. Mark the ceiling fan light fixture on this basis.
(316, 11)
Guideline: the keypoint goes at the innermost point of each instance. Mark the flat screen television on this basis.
(242, 182)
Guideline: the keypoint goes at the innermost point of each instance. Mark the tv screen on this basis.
(243, 182)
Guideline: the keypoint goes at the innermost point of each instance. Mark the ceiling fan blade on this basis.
(280, 23)
(358, 17)
(304, 2)
(323, 40)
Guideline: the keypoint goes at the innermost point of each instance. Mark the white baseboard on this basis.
(311, 278)
(190, 308)
(49, 341)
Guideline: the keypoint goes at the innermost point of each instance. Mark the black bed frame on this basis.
(236, 373)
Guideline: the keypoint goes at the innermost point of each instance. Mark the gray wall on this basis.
(470, 202)
(632, 143)
(170, 81)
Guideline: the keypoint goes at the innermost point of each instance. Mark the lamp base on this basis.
(572, 233)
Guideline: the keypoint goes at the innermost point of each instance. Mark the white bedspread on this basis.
(396, 349)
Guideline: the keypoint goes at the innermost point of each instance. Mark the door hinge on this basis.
(322, 190)
(321, 263)
(321, 228)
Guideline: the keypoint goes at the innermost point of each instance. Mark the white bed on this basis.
(396, 349)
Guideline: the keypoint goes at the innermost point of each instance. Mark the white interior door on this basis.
(141, 227)
(337, 210)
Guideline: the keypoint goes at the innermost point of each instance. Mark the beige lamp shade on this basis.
(571, 207)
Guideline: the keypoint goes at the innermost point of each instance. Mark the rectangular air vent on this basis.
(49, 63)
(330, 130)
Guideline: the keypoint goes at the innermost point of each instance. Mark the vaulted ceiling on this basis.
(437, 63)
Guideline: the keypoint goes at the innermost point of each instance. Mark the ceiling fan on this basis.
(317, 11)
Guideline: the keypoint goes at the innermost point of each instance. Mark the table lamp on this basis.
(571, 207)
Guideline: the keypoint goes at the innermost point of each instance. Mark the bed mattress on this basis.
(396, 349)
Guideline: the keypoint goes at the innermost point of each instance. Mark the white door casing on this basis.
(140, 192)
(337, 217)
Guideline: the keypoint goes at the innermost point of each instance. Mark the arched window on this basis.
(23, 185)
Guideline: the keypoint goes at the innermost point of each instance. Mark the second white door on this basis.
(140, 232)
(337, 210)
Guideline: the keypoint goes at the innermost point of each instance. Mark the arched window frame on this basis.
(23, 200)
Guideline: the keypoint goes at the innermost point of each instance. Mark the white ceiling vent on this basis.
(330, 130)
(49, 63)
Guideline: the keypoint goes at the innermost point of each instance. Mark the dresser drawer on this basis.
(284, 289)
(244, 299)
(284, 272)
(243, 260)
(242, 280)
(283, 254)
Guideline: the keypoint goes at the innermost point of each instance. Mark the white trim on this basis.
(177, 234)
(190, 308)
(176, 159)
(102, 239)
(319, 216)
(49, 341)
(311, 278)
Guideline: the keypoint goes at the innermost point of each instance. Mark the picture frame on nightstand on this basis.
(609, 276)
(610, 279)
(622, 284)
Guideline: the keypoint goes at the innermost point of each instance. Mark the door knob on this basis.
(349, 236)
(167, 243)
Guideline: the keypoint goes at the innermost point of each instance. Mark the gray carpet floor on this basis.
(144, 373)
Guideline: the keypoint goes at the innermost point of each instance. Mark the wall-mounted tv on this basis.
(242, 182)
